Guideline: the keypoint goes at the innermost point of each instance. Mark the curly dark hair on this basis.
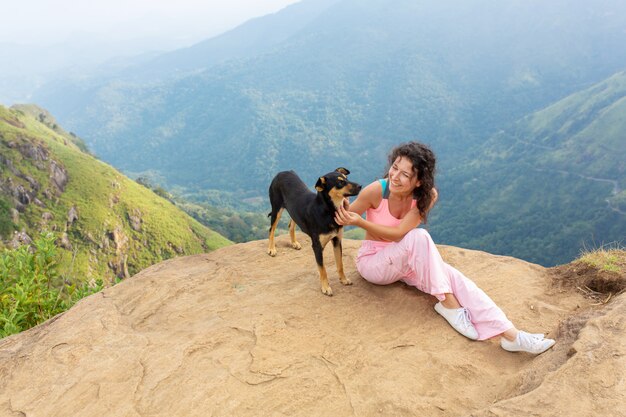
(423, 160)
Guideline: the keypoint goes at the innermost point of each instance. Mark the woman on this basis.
(394, 249)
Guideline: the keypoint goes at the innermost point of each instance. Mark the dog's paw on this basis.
(296, 246)
(345, 281)
(271, 252)
(327, 291)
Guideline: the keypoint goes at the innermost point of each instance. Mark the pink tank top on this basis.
(381, 215)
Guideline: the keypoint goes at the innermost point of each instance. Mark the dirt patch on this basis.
(591, 281)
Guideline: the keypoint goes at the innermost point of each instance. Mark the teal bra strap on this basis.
(385, 185)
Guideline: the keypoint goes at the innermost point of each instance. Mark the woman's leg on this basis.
(488, 319)
(380, 264)
(417, 261)
(433, 276)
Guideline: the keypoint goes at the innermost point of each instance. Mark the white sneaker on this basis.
(459, 319)
(527, 342)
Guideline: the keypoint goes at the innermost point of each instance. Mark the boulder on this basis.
(58, 175)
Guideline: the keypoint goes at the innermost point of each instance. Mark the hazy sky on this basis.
(182, 21)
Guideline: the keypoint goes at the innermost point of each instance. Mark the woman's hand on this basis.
(344, 217)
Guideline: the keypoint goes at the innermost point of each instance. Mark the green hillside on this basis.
(552, 184)
(584, 134)
(107, 225)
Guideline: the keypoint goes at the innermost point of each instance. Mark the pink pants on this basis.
(416, 261)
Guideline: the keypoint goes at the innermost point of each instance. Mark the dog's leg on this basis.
(275, 217)
(318, 249)
(339, 260)
(292, 235)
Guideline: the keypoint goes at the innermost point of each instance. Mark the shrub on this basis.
(31, 290)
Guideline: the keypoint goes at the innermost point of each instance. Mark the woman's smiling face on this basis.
(402, 177)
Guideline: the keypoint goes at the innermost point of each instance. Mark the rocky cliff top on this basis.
(237, 333)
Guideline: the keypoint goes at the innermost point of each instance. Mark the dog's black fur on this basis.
(313, 213)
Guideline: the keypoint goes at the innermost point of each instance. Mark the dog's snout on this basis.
(354, 188)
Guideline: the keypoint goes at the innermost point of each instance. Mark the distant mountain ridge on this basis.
(344, 86)
(251, 38)
(107, 225)
(357, 78)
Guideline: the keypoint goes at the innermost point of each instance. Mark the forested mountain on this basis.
(106, 225)
(358, 77)
(551, 184)
(323, 84)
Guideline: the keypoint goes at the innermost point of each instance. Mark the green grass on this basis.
(609, 259)
(6, 222)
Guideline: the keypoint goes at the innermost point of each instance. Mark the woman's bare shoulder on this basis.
(369, 197)
(373, 192)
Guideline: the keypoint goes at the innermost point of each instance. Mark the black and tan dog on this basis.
(313, 213)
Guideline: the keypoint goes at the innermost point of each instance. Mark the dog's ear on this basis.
(319, 185)
(344, 171)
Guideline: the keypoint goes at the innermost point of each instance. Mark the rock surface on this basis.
(237, 333)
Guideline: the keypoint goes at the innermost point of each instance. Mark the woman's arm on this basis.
(395, 234)
(371, 197)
